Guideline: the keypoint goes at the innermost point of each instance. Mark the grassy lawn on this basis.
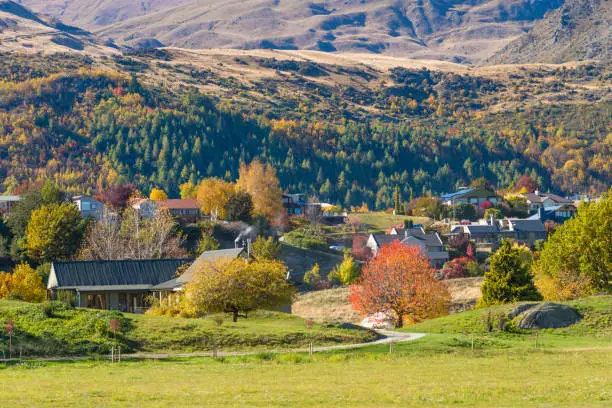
(570, 367)
(501, 379)
(86, 332)
(381, 221)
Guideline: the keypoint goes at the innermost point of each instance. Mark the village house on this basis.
(430, 243)
(487, 234)
(7, 202)
(126, 285)
(537, 200)
(116, 285)
(145, 207)
(89, 207)
(474, 195)
(185, 210)
(558, 213)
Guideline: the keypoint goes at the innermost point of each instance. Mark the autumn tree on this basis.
(50, 193)
(239, 207)
(132, 237)
(577, 259)
(345, 273)
(526, 184)
(23, 284)
(54, 232)
(158, 194)
(213, 195)
(400, 280)
(261, 182)
(265, 248)
(188, 190)
(238, 287)
(118, 196)
(509, 279)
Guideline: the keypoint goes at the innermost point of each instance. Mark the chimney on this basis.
(541, 213)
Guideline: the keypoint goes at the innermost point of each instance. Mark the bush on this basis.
(313, 276)
(47, 308)
(457, 268)
(306, 238)
(67, 298)
(346, 273)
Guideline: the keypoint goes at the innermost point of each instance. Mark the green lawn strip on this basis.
(381, 221)
(85, 332)
(502, 379)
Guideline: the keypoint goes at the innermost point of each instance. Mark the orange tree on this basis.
(400, 280)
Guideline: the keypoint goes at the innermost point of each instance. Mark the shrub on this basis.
(313, 276)
(509, 279)
(457, 268)
(47, 308)
(345, 273)
(265, 248)
(306, 238)
(23, 284)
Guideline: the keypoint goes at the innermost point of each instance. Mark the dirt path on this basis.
(390, 336)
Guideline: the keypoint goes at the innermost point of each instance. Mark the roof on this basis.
(540, 197)
(179, 204)
(7, 198)
(113, 275)
(431, 239)
(460, 193)
(482, 229)
(528, 225)
(209, 256)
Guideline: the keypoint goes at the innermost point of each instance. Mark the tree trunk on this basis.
(235, 315)
(399, 323)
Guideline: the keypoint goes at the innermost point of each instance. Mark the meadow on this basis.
(460, 362)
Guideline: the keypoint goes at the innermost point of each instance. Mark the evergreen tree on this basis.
(397, 203)
(509, 279)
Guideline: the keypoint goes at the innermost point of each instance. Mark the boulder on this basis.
(548, 316)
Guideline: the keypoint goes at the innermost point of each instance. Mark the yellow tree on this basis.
(158, 194)
(24, 284)
(237, 287)
(188, 190)
(213, 195)
(261, 182)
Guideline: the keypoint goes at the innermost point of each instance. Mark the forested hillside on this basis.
(90, 123)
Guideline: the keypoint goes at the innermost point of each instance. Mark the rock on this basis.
(520, 309)
(548, 316)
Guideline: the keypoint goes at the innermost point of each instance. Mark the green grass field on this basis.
(86, 332)
(570, 367)
(381, 221)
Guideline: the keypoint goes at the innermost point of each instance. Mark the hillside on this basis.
(63, 331)
(162, 118)
(579, 30)
(24, 31)
(450, 29)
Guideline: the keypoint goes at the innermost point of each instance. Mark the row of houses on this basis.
(430, 243)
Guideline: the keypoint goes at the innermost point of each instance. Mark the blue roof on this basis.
(447, 197)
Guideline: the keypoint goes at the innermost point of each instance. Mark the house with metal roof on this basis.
(118, 285)
(430, 243)
(176, 283)
(487, 234)
(557, 213)
(474, 195)
(7, 202)
(537, 200)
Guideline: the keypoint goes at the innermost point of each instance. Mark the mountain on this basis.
(23, 30)
(459, 30)
(579, 30)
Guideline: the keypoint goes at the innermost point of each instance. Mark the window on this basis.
(85, 206)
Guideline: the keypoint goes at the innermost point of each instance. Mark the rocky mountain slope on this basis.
(580, 29)
(441, 29)
(23, 30)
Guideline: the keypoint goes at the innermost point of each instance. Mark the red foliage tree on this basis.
(117, 196)
(457, 268)
(400, 280)
(527, 183)
(486, 205)
(359, 250)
